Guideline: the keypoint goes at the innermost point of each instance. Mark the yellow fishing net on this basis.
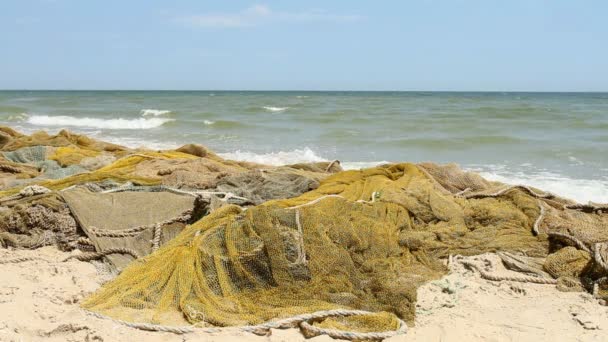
(362, 240)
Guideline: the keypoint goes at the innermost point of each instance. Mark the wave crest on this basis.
(154, 112)
(305, 155)
(275, 109)
(120, 123)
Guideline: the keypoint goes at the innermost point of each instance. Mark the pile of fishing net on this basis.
(362, 240)
(207, 242)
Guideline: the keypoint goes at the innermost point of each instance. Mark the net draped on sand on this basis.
(306, 240)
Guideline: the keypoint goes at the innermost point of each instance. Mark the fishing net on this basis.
(362, 240)
(317, 239)
(13, 140)
(136, 221)
(35, 221)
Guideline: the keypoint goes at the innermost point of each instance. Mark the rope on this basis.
(159, 188)
(183, 217)
(598, 257)
(589, 208)
(28, 191)
(97, 255)
(315, 201)
(524, 188)
(333, 162)
(301, 252)
(262, 329)
(157, 234)
(596, 286)
(9, 168)
(540, 218)
(21, 259)
(460, 193)
(84, 244)
(494, 277)
(576, 241)
(310, 331)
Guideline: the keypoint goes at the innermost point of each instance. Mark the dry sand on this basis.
(39, 301)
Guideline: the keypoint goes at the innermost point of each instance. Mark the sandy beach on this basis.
(39, 302)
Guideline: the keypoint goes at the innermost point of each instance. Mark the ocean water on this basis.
(555, 141)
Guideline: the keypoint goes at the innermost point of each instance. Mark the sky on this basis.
(452, 45)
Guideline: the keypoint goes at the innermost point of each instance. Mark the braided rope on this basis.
(28, 191)
(494, 277)
(264, 328)
(9, 168)
(301, 252)
(576, 241)
(524, 188)
(333, 162)
(97, 255)
(598, 257)
(540, 218)
(183, 217)
(84, 244)
(157, 235)
(596, 286)
(21, 259)
(315, 201)
(460, 193)
(159, 188)
(590, 208)
(310, 330)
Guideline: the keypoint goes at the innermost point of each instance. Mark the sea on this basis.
(557, 142)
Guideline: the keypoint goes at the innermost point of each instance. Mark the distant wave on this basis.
(208, 122)
(154, 112)
(120, 123)
(275, 109)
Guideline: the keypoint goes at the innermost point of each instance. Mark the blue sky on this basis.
(526, 45)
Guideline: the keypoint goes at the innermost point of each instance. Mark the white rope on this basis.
(263, 329)
(316, 201)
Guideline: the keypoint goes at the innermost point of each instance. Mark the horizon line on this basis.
(321, 91)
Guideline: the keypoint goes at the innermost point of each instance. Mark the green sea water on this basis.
(556, 141)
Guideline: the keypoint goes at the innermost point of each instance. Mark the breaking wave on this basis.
(120, 123)
(578, 189)
(154, 112)
(305, 155)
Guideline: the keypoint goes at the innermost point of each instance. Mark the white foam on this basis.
(136, 142)
(154, 112)
(361, 165)
(580, 190)
(305, 155)
(18, 117)
(208, 122)
(275, 109)
(120, 123)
